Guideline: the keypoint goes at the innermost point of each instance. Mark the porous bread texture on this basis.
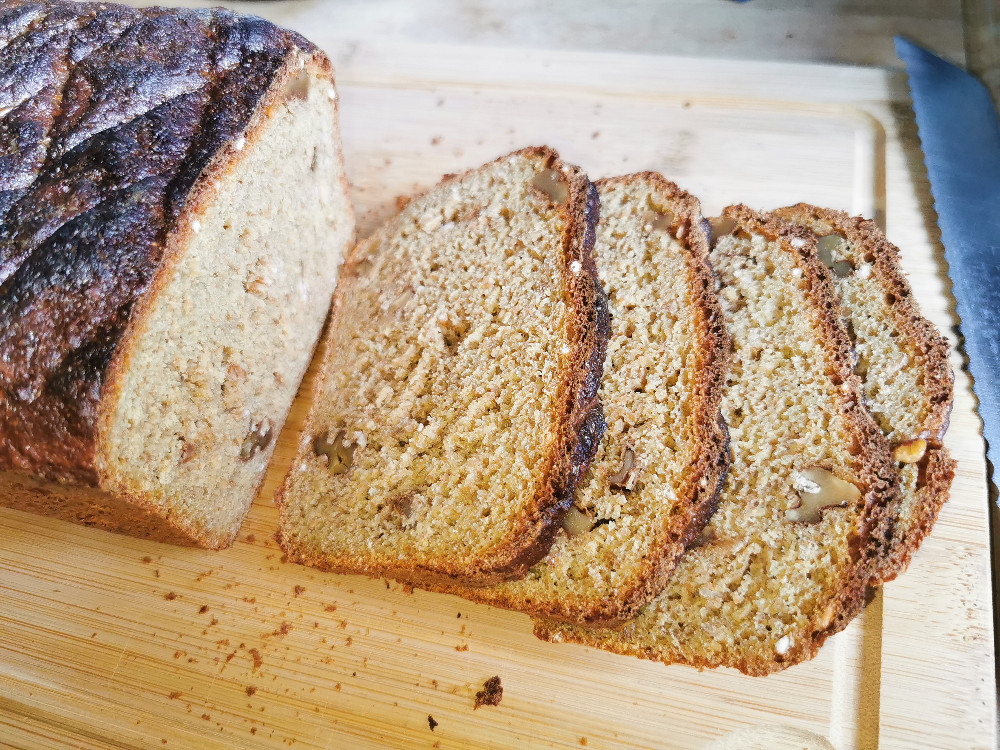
(661, 390)
(760, 590)
(902, 360)
(457, 405)
(216, 351)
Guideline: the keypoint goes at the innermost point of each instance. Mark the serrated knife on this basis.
(960, 138)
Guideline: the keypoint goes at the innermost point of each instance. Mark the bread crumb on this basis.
(281, 632)
(258, 660)
(147, 559)
(170, 596)
(330, 608)
(299, 590)
(251, 689)
(175, 695)
(203, 609)
(251, 539)
(430, 722)
(491, 694)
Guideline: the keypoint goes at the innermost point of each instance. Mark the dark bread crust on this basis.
(121, 118)
(929, 349)
(578, 412)
(876, 475)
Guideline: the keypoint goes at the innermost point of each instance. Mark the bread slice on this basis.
(657, 473)
(173, 211)
(457, 407)
(903, 362)
(785, 560)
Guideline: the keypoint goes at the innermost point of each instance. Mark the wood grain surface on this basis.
(107, 641)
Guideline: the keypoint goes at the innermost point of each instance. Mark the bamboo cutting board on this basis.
(107, 641)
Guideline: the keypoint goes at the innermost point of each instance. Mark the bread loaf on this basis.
(658, 471)
(785, 560)
(903, 362)
(173, 210)
(457, 407)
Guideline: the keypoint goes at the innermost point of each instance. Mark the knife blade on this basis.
(960, 138)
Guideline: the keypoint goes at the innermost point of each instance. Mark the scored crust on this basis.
(136, 123)
(925, 484)
(658, 633)
(615, 595)
(575, 409)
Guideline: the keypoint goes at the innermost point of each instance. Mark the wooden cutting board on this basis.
(110, 641)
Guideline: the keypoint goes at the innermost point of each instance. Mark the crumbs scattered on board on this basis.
(491, 694)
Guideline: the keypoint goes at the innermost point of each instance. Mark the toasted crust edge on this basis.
(582, 422)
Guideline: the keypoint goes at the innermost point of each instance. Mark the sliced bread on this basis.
(785, 560)
(903, 362)
(657, 473)
(457, 407)
(173, 211)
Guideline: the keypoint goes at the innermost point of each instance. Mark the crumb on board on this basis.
(203, 609)
(147, 559)
(491, 694)
(170, 596)
(283, 630)
(299, 590)
(258, 660)
(175, 695)
(251, 689)
(431, 722)
(251, 539)
(463, 647)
